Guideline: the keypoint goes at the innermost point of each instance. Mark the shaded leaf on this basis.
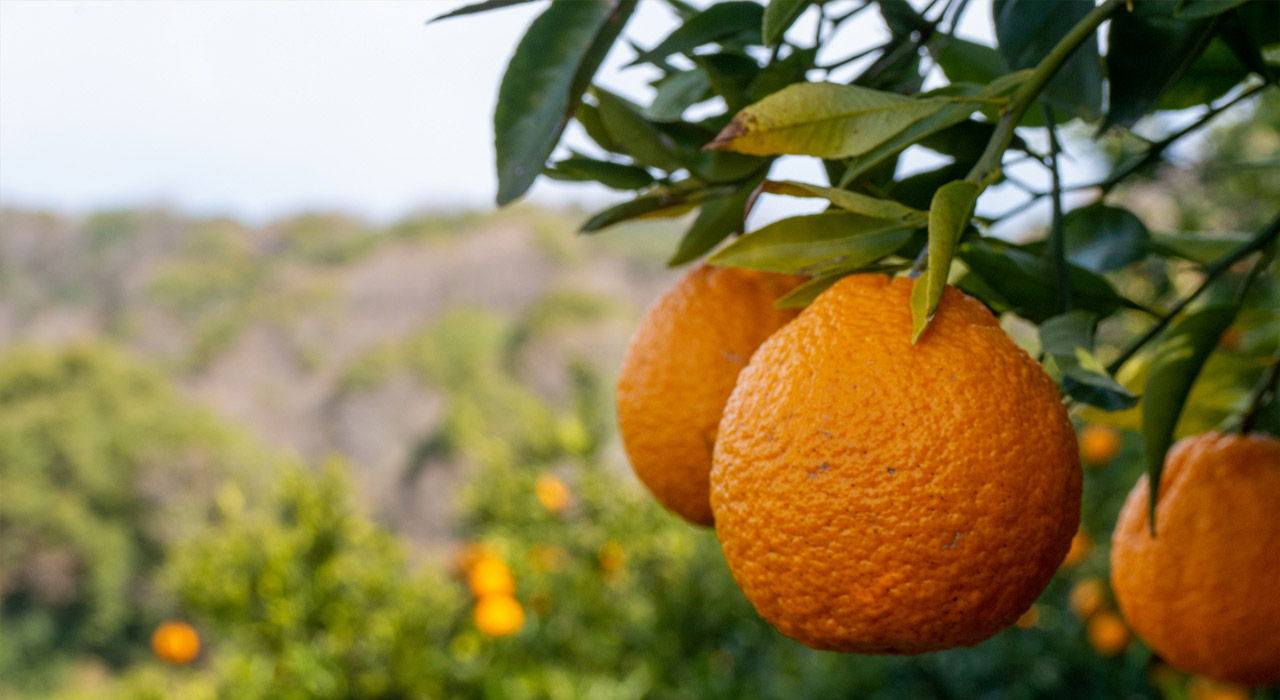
(1197, 246)
(1102, 238)
(804, 295)
(779, 15)
(849, 201)
(1174, 366)
(1211, 76)
(1248, 29)
(1068, 339)
(901, 18)
(543, 83)
(615, 175)
(1028, 30)
(1146, 54)
(718, 219)
(1025, 287)
(823, 119)
(1199, 9)
(657, 205)
(964, 61)
(790, 70)
(815, 243)
(676, 93)
(730, 75)
(637, 137)
(949, 215)
(588, 116)
(715, 23)
(477, 8)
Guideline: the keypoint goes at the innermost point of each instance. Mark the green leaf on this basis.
(918, 190)
(637, 137)
(718, 22)
(1102, 238)
(544, 82)
(1068, 339)
(964, 61)
(1210, 77)
(815, 243)
(1174, 366)
(823, 119)
(1026, 288)
(676, 93)
(1146, 55)
(1250, 28)
(849, 201)
(805, 294)
(615, 175)
(901, 18)
(1199, 9)
(779, 15)
(477, 8)
(949, 215)
(948, 116)
(649, 206)
(588, 116)
(718, 219)
(1028, 30)
(731, 76)
(1201, 247)
(779, 74)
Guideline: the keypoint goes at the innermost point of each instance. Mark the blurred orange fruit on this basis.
(1231, 339)
(552, 493)
(498, 615)
(467, 555)
(679, 369)
(1202, 688)
(544, 557)
(490, 576)
(1099, 444)
(1029, 618)
(1087, 597)
(1205, 592)
(875, 496)
(1108, 634)
(175, 642)
(1081, 548)
(611, 556)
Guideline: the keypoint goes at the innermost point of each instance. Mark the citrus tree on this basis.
(1189, 317)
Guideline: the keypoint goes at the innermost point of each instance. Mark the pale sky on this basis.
(264, 109)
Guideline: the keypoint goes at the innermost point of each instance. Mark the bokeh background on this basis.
(271, 365)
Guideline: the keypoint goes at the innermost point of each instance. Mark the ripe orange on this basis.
(1204, 592)
(552, 493)
(498, 615)
(1099, 444)
(1087, 597)
(1081, 548)
(489, 575)
(175, 643)
(1108, 635)
(875, 496)
(679, 369)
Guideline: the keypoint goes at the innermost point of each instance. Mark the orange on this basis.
(1099, 444)
(552, 493)
(466, 556)
(498, 615)
(1029, 618)
(611, 556)
(489, 575)
(678, 371)
(1108, 634)
(879, 497)
(1081, 548)
(1205, 592)
(175, 642)
(1087, 597)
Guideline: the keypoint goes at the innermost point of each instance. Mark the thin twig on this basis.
(1263, 394)
(1056, 250)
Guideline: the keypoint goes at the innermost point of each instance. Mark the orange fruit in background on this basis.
(498, 615)
(1201, 688)
(1205, 592)
(879, 497)
(1108, 635)
(552, 493)
(1087, 597)
(175, 643)
(1029, 618)
(1099, 444)
(611, 556)
(1081, 548)
(679, 369)
(489, 575)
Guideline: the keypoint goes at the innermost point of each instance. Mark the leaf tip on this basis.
(727, 135)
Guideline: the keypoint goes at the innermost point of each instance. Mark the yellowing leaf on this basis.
(823, 119)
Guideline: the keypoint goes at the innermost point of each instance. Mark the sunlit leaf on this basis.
(823, 119)
(849, 201)
(815, 243)
(949, 214)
